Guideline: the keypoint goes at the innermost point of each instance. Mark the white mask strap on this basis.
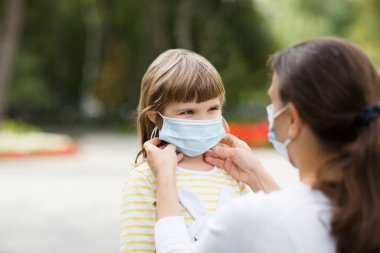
(154, 132)
(279, 112)
(288, 141)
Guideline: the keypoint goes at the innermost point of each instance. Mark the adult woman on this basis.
(325, 120)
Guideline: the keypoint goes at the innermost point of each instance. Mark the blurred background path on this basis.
(71, 204)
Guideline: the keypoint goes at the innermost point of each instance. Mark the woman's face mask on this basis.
(192, 137)
(281, 148)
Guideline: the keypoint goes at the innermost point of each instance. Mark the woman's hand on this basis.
(237, 159)
(234, 156)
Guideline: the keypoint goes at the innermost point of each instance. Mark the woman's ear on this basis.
(152, 116)
(295, 121)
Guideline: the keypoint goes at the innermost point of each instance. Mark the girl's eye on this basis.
(186, 113)
(214, 108)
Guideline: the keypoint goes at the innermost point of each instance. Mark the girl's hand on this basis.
(162, 160)
(237, 159)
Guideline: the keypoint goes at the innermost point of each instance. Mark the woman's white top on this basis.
(295, 219)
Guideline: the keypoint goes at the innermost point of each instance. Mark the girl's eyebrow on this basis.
(189, 108)
(185, 109)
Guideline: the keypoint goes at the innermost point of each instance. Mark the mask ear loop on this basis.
(154, 132)
(225, 125)
(155, 129)
(288, 141)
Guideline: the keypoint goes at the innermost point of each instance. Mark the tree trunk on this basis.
(8, 46)
(158, 12)
(92, 58)
(183, 25)
(92, 55)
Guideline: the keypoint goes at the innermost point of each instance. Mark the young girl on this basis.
(181, 103)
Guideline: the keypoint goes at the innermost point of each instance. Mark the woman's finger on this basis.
(234, 141)
(221, 145)
(224, 152)
(211, 153)
(229, 140)
(215, 161)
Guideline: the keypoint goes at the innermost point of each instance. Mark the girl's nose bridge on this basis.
(203, 115)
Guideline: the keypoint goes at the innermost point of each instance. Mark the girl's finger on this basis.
(155, 141)
(179, 157)
(163, 146)
(148, 146)
(171, 147)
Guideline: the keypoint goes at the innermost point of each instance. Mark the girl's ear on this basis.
(152, 116)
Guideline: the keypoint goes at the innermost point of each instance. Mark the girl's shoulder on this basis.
(222, 173)
(141, 169)
(232, 181)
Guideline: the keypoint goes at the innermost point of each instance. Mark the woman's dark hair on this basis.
(336, 90)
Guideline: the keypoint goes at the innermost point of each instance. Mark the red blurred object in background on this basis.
(255, 134)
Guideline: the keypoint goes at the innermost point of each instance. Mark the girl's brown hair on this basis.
(177, 75)
(332, 82)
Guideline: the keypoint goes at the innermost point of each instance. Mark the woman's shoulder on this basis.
(282, 216)
(280, 204)
(297, 196)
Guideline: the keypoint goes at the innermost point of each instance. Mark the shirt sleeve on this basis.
(172, 235)
(230, 230)
(137, 215)
(244, 189)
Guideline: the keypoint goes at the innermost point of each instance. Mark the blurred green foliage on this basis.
(73, 50)
(292, 21)
(17, 127)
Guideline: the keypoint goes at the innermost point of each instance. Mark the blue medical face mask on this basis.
(281, 148)
(191, 137)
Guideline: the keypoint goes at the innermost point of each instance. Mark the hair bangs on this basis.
(193, 81)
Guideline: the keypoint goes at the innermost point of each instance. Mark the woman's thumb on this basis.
(224, 152)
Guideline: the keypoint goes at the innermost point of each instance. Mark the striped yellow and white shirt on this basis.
(138, 215)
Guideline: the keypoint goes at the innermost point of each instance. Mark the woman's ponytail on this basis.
(352, 182)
